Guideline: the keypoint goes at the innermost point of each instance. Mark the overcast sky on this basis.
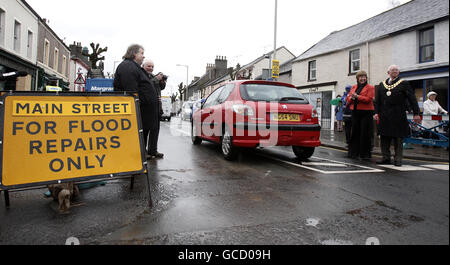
(194, 32)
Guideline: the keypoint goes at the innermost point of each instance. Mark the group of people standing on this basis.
(133, 74)
(386, 103)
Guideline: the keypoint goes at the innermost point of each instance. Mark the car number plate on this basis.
(285, 117)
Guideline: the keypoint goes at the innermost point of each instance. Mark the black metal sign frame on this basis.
(144, 170)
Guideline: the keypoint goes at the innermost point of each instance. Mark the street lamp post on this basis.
(275, 32)
(274, 39)
(187, 78)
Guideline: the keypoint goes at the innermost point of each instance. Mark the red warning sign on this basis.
(80, 79)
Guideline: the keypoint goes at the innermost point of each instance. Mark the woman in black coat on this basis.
(130, 76)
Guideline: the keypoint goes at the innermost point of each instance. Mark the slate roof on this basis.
(400, 18)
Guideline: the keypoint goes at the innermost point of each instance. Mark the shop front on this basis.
(320, 95)
(12, 63)
(434, 79)
(45, 79)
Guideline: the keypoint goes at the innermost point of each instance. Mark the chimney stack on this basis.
(221, 65)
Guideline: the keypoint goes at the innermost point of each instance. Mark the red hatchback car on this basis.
(257, 113)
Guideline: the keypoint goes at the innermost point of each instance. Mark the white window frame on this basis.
(311, 70)
(46, 58)
(422, 46)
(352, 60)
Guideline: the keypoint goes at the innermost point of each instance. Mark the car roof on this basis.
(263, 82)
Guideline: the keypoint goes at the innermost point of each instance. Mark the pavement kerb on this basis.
(375, 152)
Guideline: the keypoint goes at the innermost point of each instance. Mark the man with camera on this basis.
(159, 83)
(130, 76)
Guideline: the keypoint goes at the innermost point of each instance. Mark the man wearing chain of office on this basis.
(391, 104)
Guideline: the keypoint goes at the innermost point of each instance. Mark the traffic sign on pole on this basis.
(80, 79)
(275, 68)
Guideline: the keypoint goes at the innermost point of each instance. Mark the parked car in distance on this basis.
(197, 105)
(250, 113)
(166, 104)
(186, 110)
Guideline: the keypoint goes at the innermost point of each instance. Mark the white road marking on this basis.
(406, 168)
(341, 164)
(367, 169)
(440, 167)
(345, 163)
(323, 164)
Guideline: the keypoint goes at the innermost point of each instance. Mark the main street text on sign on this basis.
(51, 108)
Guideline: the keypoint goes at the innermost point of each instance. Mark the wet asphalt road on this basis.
(265, 197)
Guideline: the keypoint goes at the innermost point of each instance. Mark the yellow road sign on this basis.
(275, 68)
(68, 137)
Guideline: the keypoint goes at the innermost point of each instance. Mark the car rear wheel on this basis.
(195, 139)
(229, 151)
(303, 152)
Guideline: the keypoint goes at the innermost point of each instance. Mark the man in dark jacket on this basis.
(130, 76)
(390, 110)
(159, 85)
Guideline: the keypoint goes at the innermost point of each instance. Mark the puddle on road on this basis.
(312, 222)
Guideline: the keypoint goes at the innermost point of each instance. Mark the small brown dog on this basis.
(64, 193)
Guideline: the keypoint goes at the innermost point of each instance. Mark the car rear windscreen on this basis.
(266, 92)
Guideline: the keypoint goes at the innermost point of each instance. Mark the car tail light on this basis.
(314, 113)
(244, 110)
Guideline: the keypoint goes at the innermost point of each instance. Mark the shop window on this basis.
(440, 86)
